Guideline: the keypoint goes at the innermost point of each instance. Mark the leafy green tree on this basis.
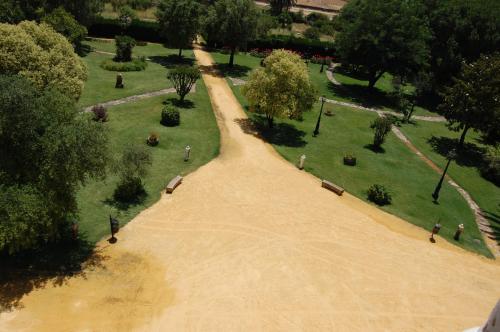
(278, 6)
(183, 78)
(125, 16)
(461, 31)
(282, 88)
(132, 167)
(64, 23)
(179, 22)
(381, 127)
(265, 23)
(473, 102)
(124, 47)
(11, 12)
(383, 36)
(48, 150)
(41, 55)
(231, 23)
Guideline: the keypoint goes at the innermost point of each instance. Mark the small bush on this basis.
(128, 190)
(312, 33)
(381, 126)
(170, 117)
(285, 20)
(100, 113)
(134, 65)
(379, 195)
(491, 168)
(153, 139)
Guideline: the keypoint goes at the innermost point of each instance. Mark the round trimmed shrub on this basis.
(153, 139)
(312, 33)
(134, 65)
(100, 113)
(379, 195)
(170, 117)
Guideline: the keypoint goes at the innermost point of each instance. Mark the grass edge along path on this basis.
(478, 247)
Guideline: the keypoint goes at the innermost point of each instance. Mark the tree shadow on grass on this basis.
(234, 71)
(494, 220)
(374, 148)
(52, 265)
(469, 155)
(171, 61)
(125, 205)
(186, 103)
(282, 134)
(362, 95)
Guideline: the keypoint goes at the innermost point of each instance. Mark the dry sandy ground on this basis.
(250, 243)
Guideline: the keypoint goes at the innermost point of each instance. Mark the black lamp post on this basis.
(316, 130)
(435, 194)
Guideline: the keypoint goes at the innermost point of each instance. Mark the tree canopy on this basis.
(64, 23)
(231, 23)
(41, 55)
(282, 88)
(473, 101)
(460, 32)
(383, 36)
(179, 22)
(48, 149)
(15, 11)
(183, 78)
(278, 6)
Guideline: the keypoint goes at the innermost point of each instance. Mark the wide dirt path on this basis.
(250, 243)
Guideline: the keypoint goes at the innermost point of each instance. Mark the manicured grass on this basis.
(100, 85)
(131, 124)
(435, 140)
(353, 89)
(410, 181)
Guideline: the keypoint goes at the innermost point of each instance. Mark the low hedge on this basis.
(134, 65)
(308, 47)
(139, 30)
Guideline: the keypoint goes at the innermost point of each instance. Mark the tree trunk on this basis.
(270, 121)
(374, 77)
(180, 52)
(462, 138)
(231, 58)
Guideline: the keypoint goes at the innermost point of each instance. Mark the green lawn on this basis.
(353, 89)
(131, 124)
(100, 86)
(408, 178)
(435, 140)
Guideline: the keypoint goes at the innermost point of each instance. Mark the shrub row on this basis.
(134, 65)
(139, 30)
(306, 46)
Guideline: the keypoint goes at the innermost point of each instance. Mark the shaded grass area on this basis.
(410, 181)
(435, 141)
(131, 124)
(100, 86)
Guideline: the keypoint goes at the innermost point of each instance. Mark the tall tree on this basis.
(232, 23)
(461, 31)
(278, 6)
(473, 102)
(183, 78)
(64, 23)
(282, 88)
(383, 36)
(41, 55)
(179, 22)
(48, 150)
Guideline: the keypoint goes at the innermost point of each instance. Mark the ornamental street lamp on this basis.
(316, 130)
(435, 194)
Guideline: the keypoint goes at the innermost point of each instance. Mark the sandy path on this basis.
(249, 243)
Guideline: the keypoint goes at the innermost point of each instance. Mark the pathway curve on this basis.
(250, 243)
(136, 97)
(481, 221)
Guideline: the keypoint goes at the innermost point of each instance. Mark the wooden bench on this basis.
(174, 183)
(332, 187)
